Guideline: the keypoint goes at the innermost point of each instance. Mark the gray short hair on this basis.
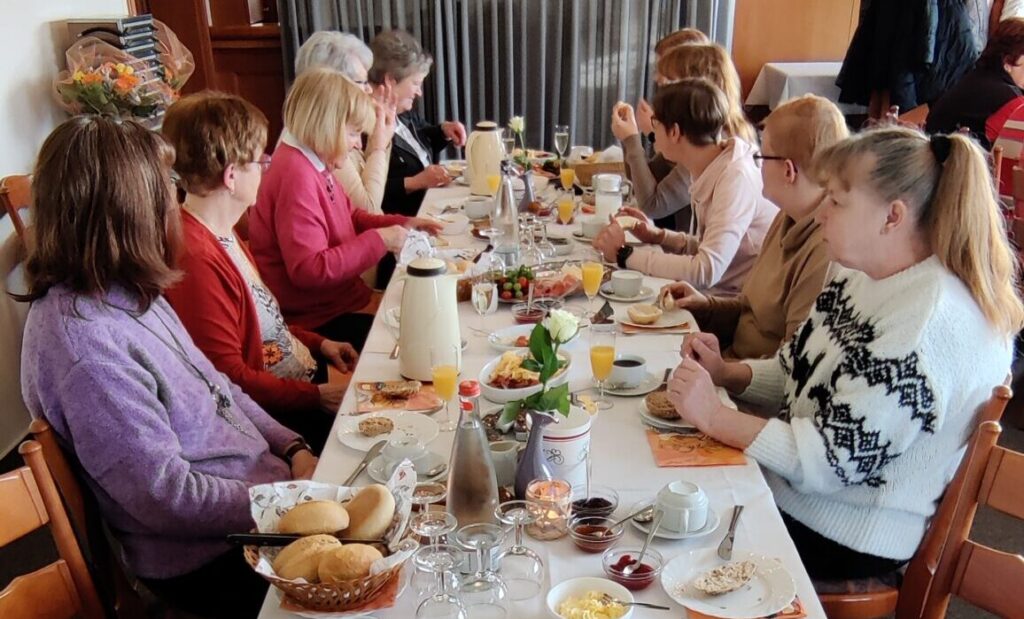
(398, 54)
(334, 50)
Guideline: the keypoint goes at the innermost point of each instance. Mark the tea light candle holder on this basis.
(555, 497)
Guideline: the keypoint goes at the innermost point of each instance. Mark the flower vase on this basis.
(532, 462)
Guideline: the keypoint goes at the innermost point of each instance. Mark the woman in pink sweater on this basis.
(732, 217)
(308, 241)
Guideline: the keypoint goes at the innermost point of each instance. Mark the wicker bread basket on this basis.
(337, 596)
(586, 171)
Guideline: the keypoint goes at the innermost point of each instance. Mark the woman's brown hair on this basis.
(713, 63)
(1005, 45)
(103, 211)
(696, 106)
(683, 36)
(210, 131)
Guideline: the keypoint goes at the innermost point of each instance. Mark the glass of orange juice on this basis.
(568, 176)
(444, 370)
(593, 273)
(493, 181)
(566, 208)
(602, 356)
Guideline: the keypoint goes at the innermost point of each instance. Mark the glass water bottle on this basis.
(472, 483)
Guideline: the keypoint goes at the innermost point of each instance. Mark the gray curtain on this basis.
(551, 61)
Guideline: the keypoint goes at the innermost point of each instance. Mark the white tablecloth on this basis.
(780, 81)
(622, 460)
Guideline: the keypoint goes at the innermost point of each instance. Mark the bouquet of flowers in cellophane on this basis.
(102, 79)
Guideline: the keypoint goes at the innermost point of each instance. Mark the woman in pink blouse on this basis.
(308, 241)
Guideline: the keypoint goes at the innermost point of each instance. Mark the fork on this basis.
(608, 599)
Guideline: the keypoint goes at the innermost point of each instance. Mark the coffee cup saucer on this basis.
(380, 469)
(709, 527)
(646, 292)
(650, 383)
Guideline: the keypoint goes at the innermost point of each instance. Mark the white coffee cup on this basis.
(591, 226)
(479, 207)
(402, 447)
(684, 505)
(627, 283)
(504, 454)
(628, 371)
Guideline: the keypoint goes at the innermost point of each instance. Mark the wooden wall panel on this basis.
(247, 62)
(790, 31)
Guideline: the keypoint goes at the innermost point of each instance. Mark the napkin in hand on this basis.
(417, 245)
(691, 450)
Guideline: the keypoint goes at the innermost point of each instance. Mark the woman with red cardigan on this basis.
(221, 299)
(310, 244)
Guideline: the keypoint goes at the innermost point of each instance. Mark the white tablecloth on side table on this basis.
(780, 81)
(622, 459)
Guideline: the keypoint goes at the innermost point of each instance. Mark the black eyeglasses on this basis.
(759, 157)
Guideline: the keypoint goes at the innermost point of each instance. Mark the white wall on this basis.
(34, 39)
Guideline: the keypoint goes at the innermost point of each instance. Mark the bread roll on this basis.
(643, 313)
(370, 512)
(301, 558)
(349, 562)
(314, 517)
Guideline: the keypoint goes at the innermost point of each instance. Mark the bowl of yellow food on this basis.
(504, 379)
(589, 598)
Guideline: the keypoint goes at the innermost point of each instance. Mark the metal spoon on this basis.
(629, 569)
(645, 515)
(437, 470)
(637, 514)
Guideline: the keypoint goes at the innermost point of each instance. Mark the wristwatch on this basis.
(295, 447)
(623, 255)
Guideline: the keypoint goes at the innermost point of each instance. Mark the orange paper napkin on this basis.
(793, 611)
(385, 598)
(691, 450)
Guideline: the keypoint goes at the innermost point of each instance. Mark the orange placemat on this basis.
(793, 611)
(384, 599)
(425, 400)
(691, 450)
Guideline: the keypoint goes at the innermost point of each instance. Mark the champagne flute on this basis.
(566, 209)
(602, 356)
(593, 274)
(444, 371)
(484, 298)
(567, 176)
(561, 140)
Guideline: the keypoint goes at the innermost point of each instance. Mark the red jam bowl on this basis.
(528, 315)
(594, 533)
(616, 559)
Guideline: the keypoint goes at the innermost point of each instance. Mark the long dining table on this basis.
(622, 458)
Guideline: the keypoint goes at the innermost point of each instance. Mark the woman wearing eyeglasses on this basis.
(221, 299)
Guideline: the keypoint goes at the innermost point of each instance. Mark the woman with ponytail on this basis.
(877, 390)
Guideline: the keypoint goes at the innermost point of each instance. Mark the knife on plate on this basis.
(370, 455)
(725, 548)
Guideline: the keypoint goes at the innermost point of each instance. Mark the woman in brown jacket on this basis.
(789, 273)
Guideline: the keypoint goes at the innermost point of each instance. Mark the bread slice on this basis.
(643, 313)
(726, 578)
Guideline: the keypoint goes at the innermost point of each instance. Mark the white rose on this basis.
(517, 124)
(561, 325)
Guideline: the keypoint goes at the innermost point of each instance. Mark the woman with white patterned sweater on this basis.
(877, 391)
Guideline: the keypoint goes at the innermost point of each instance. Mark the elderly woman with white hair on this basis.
(365, 172)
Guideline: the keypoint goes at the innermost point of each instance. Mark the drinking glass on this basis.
(545, 246)
(566, 209)
(484, 298)
(593, 274)
(508, 142)
(443, 561)
(493, 182)
(484, 593)
(433, 525)
(602, 356)
(427, 493)
(422, 579)
(522, 569)
(561, 140)
(444, 370)
(568, 177)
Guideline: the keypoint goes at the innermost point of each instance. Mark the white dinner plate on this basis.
(665, 424)
(647, 385)
(770, 590)
(502, 396)
(646, 292)
(380, 469)
(406, 423)
(708, 528)
(668, 319)
(582, 239)
(502, 339)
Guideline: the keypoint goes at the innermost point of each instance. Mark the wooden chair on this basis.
(16, 194)
(125, 600)
(63, 589)
(871, 599)
(984, 577)
(997, 164)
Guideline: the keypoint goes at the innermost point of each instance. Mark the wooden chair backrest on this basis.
(16, 194)
(986, 578)
(997, 164)
(63, 589)
(919, 579)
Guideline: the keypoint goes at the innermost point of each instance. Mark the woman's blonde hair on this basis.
(946, 181)
(683, 36)
(802, 128)
(711, 62)
(319, 108)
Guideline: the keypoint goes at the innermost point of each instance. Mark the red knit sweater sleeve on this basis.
(368, 221)
(209, 303)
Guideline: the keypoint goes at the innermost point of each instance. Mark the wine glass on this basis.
(567, 176)
(444, 370)
(508, 142)
(433, 525)
(484, 297)
(593, 274)
(546, 247)
(561, 140)
(602, 356)
(443, 561)
(427, 493)
(522, 569)
(566, 209)
(484, 593)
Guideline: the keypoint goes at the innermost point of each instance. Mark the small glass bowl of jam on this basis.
(616, 559)
(524, 314)
(601, 502)
(594, 533)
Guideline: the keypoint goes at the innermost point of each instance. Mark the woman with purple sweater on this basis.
(167, 444)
